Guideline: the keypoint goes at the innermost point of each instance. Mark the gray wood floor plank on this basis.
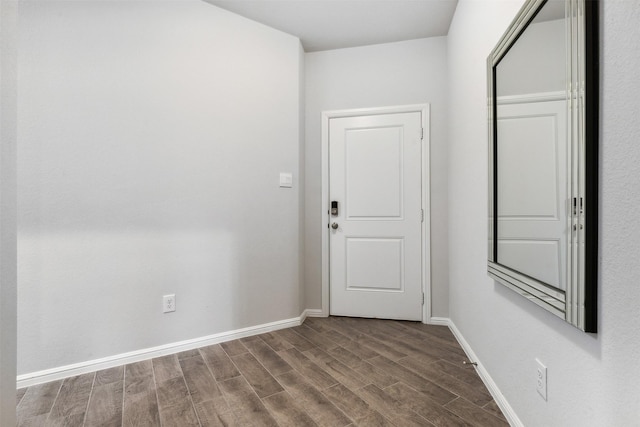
(38, 400)
(376, 376)
(425, 407)
(73, 397)
(315, 337)
(247, 407)
(337, 337)
(188, 353)
(138, 377)
(276, 342)
(345, 356)
(105, 405)
(376, 419)
(318, 324)
(493, 408)
(338, 370)
(348, 402)
(474, 415)
(219, 362)
(317, 405)
(384, 403)
(419, 383)
(74, 420)
(201, 384)
(462, 372)
(476, 395)
(166, 368)
(286, 412)
(181, 414)
(267, 356)
(312, 372)
(262, 382)
(141, 409)
(210, 416)
(295, 339)
(381, 348)
(110, 375)
(233, 348)
(37, 421)
(20, 394)
(171, 392)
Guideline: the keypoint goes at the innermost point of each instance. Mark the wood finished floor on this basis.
(334, 371)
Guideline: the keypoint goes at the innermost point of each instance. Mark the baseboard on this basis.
(506, 409)
(27, 380)
(314, 312)
(439, 321)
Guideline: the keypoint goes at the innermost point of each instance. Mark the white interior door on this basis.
(376, 236)
(532, 189)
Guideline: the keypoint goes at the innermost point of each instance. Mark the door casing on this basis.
(426, 182)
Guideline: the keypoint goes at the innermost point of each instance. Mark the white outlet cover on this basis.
(169, 303)
(541, 379)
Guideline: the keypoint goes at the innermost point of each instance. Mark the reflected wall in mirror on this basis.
(543, 111)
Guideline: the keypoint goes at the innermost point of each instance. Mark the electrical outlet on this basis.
(169, 303)
(541, 379)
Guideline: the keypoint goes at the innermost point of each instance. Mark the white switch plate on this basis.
(541, 379)
(286, 180)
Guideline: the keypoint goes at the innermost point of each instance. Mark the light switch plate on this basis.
(286, 180)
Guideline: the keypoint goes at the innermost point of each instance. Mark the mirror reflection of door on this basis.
(533, 151)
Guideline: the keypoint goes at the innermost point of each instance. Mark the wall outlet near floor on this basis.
(169, 303)
(541, 379)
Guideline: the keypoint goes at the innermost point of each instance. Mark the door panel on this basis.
(373, 172)
(376, 249)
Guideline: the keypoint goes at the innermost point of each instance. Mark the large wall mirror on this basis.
(543, 158)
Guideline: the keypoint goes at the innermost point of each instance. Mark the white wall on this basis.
(8, 15)
(152, 135)
(410, 72)
(592, 379)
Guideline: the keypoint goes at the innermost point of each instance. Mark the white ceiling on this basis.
(335, 24)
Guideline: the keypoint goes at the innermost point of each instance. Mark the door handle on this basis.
(334, 225)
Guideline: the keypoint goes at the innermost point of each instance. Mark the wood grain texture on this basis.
(219, 362)
(105, 405)
(245, 404)
(286, 411)
(328, 372)
(267, 356)
(258, 377)
(73, 396)
(201, 384)
(141, 409)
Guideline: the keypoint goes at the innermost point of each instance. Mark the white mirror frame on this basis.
(578, 304)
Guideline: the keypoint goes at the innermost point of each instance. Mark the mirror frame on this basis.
(578, 303)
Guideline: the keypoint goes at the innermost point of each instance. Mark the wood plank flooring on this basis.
(335, 371)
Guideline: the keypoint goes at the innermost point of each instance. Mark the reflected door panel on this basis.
(532, 189)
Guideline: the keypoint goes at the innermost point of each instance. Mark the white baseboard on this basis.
(440, 321)
(506, 409)
(314, 312)
(33, 378)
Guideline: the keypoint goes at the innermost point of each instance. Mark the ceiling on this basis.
(335, 24)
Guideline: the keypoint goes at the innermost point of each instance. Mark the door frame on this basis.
(424, 109)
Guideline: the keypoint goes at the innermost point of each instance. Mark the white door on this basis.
(376, 236)
(532, 189)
